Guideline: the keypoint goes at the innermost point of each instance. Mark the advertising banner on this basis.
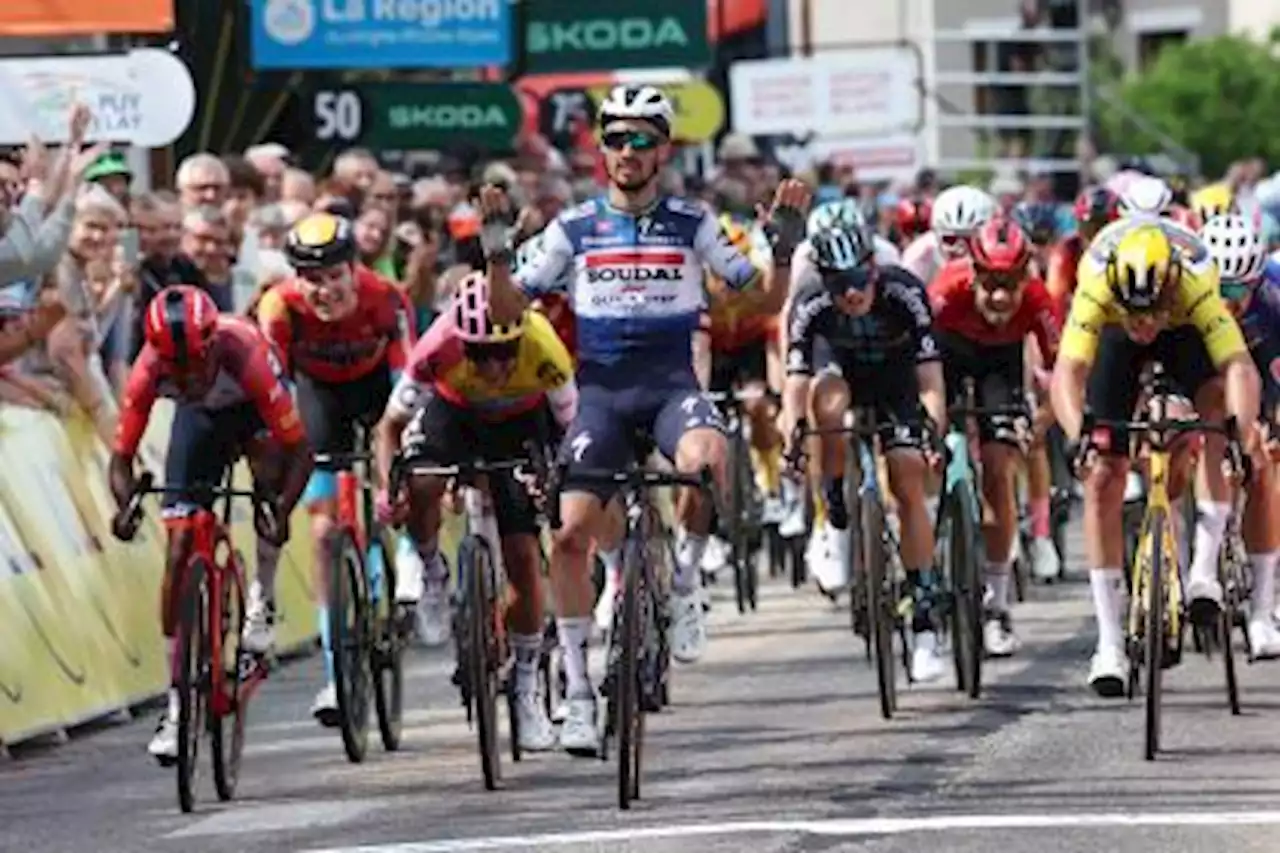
(36, 18)
(411, 116)
(144, 97)
(586, 35)
(339, 34)
(860, 91)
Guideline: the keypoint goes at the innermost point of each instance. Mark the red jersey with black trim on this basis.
(242, 367)
(951, 296)
(378, 330)
(1064, 261)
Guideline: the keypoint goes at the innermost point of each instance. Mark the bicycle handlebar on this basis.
(129, 517)
(1163, 432)
(343, 457)
(633, 477)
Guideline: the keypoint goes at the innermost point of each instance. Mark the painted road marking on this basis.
(835, 827)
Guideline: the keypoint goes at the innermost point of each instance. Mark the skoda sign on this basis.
(586, 35)
(411, 116)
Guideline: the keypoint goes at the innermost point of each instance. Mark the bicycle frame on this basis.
(1159, 464)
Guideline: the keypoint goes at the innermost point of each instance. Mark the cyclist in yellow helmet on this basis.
(1148, 291)
(1213, 200)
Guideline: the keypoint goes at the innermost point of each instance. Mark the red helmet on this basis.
(1185, 216)
(1001, 246)
(180, 323)
(1097, 206)
(914, 215)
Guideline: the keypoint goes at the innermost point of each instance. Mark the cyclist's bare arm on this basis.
(1066, 394)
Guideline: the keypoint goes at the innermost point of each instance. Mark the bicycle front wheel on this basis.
(193, 657)
(387, 651)
(1155, 632)
(226, 750)
(966, 594)
(879, 602)
(349, 641)
(737, 511)
(475, 567)
(626, 687)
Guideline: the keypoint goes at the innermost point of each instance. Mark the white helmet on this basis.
(1236, 246)
(640, 102)
(1145, 196)
(961, 210)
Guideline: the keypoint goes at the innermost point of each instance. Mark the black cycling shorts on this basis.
(746, 364)
(446, 434)
(330, 411)
(997, 374)
(894, 397)
(1115, 380)
(203, 444)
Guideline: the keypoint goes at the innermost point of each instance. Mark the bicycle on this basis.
(744, 524)
(1153, 631)
(875, 591)
(486, 665)
(959, 526)
(1236, 576)
(367, 632)
(218, 678)
(637, 661)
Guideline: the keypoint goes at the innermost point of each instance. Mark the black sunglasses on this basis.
(504, 351)
(637, 139)
(841, 282)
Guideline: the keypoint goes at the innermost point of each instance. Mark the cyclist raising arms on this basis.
(1240, 252)
(637, 293)
(344, 334)
(1148, 290)
(875, 323)
(231, 398)
(475, 389)
(983, 311)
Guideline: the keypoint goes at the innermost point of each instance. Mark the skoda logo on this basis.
(289, 22)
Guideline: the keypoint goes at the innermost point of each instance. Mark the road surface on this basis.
(775, 743)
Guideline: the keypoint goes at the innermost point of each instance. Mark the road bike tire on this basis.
(349, 641)
(475, 567)
(390, 635)
(226, 752)
(1021, 568)
(626, 691)
(737, 531)
(193, 653)
(966, 594)
(776, 548)
(1228, 572)
(880, 608)
(1155, 634)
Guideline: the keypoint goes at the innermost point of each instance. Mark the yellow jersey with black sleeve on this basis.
(543, 371)
(1195, 300)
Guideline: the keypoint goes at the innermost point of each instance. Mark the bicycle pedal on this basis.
(1203, 613)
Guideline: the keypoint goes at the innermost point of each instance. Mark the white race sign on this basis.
(145, 97)
(859, 91)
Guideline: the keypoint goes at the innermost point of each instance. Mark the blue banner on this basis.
(337, 34)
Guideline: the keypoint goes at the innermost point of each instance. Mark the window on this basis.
(1151, 43)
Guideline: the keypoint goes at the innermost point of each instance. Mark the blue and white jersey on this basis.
(1260, 325)
(635, 283)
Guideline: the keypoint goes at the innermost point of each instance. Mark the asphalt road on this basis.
(775, 743)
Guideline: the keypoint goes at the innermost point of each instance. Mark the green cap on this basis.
(108, 164)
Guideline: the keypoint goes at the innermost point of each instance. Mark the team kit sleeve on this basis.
(262, 378)
(555, 370)
(548, 270)
(415, 381)
(804, 324)
(274, 320)
(1212, 319)
(1087, 316)
(909, 292)
(141, 389)
(1045, 325)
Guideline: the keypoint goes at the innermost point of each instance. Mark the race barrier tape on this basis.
(79, 610)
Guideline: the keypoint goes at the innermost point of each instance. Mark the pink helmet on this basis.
(471, 314)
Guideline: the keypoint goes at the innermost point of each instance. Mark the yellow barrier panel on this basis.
(79, 610)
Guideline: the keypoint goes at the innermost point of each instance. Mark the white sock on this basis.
(1211, 524)
(1177, 517)
(526, 648)
(573, 633)
(612, 562)
(1264, 584)
(1107, 601)
(175, 703)
(689, 550)
(997, 578)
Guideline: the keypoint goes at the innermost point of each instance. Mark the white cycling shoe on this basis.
(536, 734)
(325, 706)
(409, 572)
(1107, 671)
(1264, 639)
(715, 556)
(435, 614)
(579, 735)
(687, 634)
(998, 638)
(259, 635)
(1043, 557)
(792, 522)
(603, 614)
(831, 565)
(164, 743)
(927, 664)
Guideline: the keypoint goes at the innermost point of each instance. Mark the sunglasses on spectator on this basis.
(991, 281)
(482, 353)
(637, 139)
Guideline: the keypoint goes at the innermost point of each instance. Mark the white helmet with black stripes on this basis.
(1236, 246)
(961, 211)
(647, 103)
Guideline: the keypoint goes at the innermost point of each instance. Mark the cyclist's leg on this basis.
(443, 434)
(760, 411)
(1184, 356)
(725, 367)
(829, 401)
(197, 454)
(1111, 394)
(689, 431)
(1043, 555)
(613, 524)
(600, 437)
(1262, 541)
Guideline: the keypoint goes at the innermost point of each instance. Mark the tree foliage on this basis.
(1214, 97)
